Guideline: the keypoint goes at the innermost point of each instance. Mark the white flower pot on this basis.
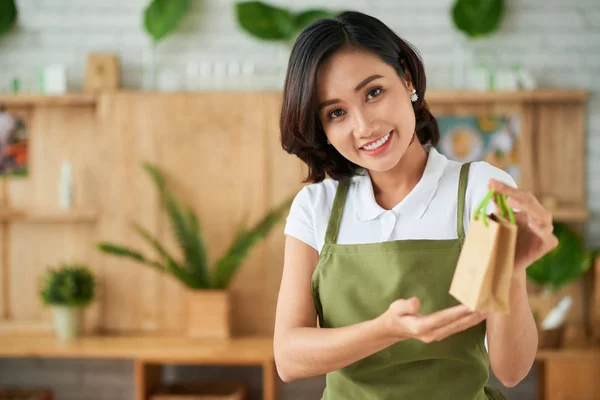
(67, 322)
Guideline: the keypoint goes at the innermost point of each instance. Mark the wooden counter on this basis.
(151, 353)
(561, 373)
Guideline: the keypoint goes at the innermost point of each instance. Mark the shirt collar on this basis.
(414, 204)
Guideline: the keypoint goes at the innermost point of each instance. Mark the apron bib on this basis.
(353, 283)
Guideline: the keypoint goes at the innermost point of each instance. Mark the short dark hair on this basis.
(300, 126)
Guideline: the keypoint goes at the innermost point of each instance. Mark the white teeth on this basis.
(377, 144)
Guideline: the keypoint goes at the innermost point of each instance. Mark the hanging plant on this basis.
(477, 18)
(161, 17)
(8, 15)
(270, 23)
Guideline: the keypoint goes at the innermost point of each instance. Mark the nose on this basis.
(364, 125)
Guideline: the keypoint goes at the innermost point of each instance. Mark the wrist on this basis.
(519, 277)
(383, 328)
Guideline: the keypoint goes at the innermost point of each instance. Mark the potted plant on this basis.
(207, 286)
(68, 289)
(563, 265)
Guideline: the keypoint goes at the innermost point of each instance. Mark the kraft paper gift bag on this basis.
(483, 274)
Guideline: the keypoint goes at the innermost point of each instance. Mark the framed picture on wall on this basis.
(492, 138)
(13, 144)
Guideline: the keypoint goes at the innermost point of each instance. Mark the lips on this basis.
(383, 139)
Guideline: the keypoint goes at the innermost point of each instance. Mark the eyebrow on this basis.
(361, 85)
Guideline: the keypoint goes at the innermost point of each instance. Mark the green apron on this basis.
(358, 282)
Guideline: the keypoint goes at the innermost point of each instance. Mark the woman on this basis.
(370, 251)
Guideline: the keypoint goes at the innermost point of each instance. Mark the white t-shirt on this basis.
(428, 212)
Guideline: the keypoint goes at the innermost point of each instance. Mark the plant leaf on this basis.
(477, 18)
(171, 265)
(8, 15)
(161, 17)
(190, 243)
(157, 176)
(121, 251)
(305, 18)
(265, 21)
(228, 265)
(187, 233)
(198, 254)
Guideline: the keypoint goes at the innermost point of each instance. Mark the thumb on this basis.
(406, 306)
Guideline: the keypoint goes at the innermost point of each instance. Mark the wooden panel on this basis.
(527, 138)
(125, 193)
(222, 151)
(571, 379)
(55, 134)
(286, 173)
(560, 154)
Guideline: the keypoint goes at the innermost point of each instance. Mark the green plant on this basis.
(194, 271)
(267, 22)
(477, 18)
(566, 263)
(161, 17)
(70, 285)
(8, 15)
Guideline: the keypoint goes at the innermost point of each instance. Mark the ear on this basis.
(407, 78)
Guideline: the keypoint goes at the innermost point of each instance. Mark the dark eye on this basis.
(338, 112)
(373, 93)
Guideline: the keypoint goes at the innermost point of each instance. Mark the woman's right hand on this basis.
(403, 321)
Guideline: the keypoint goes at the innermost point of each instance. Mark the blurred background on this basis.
(143, 187)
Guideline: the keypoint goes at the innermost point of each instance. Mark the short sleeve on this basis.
(479, 177)
(300, 220)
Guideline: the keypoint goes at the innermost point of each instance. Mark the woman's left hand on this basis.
(535, 226)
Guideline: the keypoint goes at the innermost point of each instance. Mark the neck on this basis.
(390, 187)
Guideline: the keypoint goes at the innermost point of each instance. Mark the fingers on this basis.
(422, 325)
(503, 188)
(524, 201)
(457, 326)
(405, 306)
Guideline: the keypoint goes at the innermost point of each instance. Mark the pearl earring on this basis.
(414, 96)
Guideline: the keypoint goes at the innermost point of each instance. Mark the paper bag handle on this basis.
(503, 207)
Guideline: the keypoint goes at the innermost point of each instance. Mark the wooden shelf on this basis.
(541, 95)
(432, 96)
(160, 349)
(48, 216)
(68, 99)
(26, 328)
(571, 214)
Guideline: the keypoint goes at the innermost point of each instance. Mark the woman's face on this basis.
(365, 109)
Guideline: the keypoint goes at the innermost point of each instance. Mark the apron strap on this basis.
(333, 226)
(462, 190)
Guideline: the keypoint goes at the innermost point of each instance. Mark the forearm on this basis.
(513, 339)
(307, 352)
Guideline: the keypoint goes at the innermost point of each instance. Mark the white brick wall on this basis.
(558, 40)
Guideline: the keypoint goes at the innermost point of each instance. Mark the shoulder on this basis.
(481, 172)
(316, 195)
(311, 205)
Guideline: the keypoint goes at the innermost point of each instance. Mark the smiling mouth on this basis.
(377, 143)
